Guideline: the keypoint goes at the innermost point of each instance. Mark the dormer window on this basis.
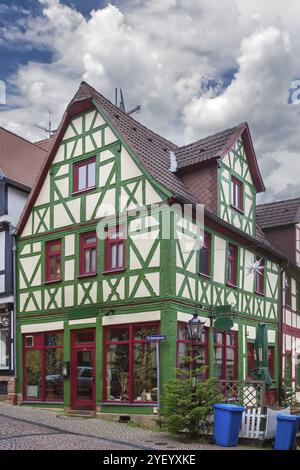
(237, 194)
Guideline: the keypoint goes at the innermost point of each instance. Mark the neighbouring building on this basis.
(86, 303)
(20, 162)
(280, 222)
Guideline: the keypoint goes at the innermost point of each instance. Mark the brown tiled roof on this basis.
(212, 146)
(45, 144)
(20, 160)
(152, 149)
(279, 213)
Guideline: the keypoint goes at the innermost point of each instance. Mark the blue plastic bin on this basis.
(286, 431)
(227, 424)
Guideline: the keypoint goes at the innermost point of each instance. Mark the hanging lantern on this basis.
(194, 328)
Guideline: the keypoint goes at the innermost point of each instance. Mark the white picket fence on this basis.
(252, 423)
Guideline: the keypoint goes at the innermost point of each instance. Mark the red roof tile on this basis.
(278, 213)
(20, 160)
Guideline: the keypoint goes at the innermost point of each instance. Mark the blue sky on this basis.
(13, 11)
(194, 70)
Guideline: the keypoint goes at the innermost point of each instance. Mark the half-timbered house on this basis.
(280, 222)
(20, 161)
(86, 302)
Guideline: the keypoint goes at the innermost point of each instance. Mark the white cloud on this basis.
(165, 54)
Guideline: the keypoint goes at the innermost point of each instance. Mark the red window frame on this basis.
(84, 246)
(76, 168)
(49, 254)
(237, 188)
(207, 247)
(192, 348)
(260, 278)
(109, 243)
(130, 342)
(288, 291)
(39, 345)
(224, 346)
(232, 251)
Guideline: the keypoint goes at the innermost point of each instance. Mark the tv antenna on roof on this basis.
(48, 129)
(121, 104)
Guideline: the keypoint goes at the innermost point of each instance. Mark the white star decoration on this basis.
(255, 267)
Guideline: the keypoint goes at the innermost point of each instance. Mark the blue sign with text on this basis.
(155, 338)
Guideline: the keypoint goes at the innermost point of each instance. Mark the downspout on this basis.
(14, 249)
(280, 336)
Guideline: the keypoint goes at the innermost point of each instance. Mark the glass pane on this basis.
(90, 240)
(81, 177)
(55, 248)
(201, 360)
(117, 372)
(218, 362)
(218, 337)
(141, 331)
(145, 372)
(113, 256)
(55, 267)
(54, 382)
(54, 339)
(120, 255)
(91, 174)
(118, 334)
(85, 380)
(184, 353)
(230, 339)
(182, 332)
(85, 336)
(86, 261)
(93, 260)
(34, 374)
(229, 363)
(204, 261)
(4, 348)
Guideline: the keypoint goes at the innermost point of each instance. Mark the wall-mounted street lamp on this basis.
(194, 332)
(195, 327)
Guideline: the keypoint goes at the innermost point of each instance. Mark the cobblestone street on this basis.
(27, 428)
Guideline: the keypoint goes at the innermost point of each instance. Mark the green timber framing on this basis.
(160, 282)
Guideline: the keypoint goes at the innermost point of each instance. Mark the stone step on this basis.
(82, 413)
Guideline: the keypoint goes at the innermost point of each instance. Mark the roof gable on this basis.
(151, 150)
(218, 145)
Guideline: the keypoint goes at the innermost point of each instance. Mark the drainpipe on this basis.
(280, 336)
(12, 231)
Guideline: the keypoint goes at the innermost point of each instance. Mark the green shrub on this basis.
(188, 403)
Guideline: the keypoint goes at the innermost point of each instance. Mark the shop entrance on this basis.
(83, 373)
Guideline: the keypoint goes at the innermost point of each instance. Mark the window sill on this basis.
(84, 276)
(241, 211)
(206, 276)
(261, 294)
(114, 271)
(233, 286)
(48, 402)
(55, 281)
(82, 191)
(126, 403)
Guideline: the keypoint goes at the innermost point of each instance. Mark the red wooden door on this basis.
(83, 371)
